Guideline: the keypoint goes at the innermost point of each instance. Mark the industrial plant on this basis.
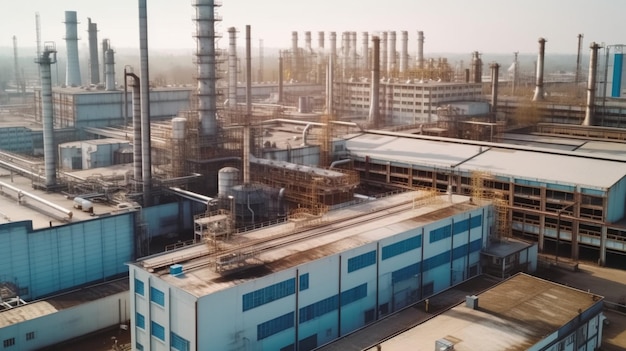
(364, 180)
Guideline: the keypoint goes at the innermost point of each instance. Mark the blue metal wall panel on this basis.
(618, 61)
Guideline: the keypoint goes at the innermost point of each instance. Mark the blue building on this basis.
(269, 293)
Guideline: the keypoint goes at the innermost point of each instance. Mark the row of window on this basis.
(268, 294)
(10, 342)
(330, 304)
(401, 247)
(361, 261)
(458, 227)
(158, 331)
(157, 296)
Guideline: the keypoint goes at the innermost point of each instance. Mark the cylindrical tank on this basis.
(227, 178)
(178, 128)
(250, 204)
(303, 104)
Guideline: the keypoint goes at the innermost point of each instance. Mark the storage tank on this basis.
(250, 204)
(227, 178)
(178, 128)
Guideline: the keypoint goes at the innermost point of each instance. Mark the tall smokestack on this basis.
(137, 145)
(330, 78)
(206, 64)
(307, 42)
(420, 50)
(280, 77)
(353, 55)
(72, 74)
(383, 51)
(48, 57)
(110, 70)
(392, 55)
(232, 67)
(365, 50)
(404, 51)
(333, 44)
(18, 81)
(246, 128)
(591, 86)
(345, 53)
(494, 90)
(94, 65)
(146, 162)
(320, 41)
(374, 113)
(539, 82)
(294, 55)
(105, 47)
(477, 67)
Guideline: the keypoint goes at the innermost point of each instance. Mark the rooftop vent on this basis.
(176, 269)
(471, 302)
(444, 345)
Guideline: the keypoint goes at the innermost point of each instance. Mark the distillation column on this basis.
(47, 58)
(94, 65)
(72, 74)
(206, 62)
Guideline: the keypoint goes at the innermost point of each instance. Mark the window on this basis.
(401, 247)
(157, 296)
(30, 336)
(369, 316)
(8, 342)
(157, 330)
(304, 281)
(274, 326)
(139, 287)
(319, 308)
(138, 346)
(140, 320)
(268, 294)
(354, 294)
(179, 343)
(361, 261)
(410, 271)
(440, 233)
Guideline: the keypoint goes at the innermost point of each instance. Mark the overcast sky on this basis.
(450, 26)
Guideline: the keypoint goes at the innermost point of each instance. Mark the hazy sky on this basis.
(452, 26)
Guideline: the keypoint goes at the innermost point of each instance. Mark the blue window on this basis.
(178, 342)
(138, 346)
(319, 308)
(157, 296)
(157, 330)
(405, 273)
(361, 261)
(139, 287)
(354, 294)
(401, 247)
(274, 326)
(268, 294)
(440, 233)
(140, 320)
(461, 226)
(436, 260)
(476, 245)
(476, 221)
(304, 281)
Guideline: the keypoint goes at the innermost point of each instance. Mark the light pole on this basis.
(558, 230)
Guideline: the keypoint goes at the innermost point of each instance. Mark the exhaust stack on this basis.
(110, 70)
(365, 50)
(232, 67)
(383, 51)
(146, 162)
(392, 55)
(591, 85)
(94, 65)
(72, 74)
(48, 57)
(206, 63)
(404, 52)
(494, 90)
(539, 82)
(374, 113)
(420, 50)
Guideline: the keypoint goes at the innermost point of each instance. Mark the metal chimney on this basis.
(374, 113)
(404, 52)
(392, 55)
(48, 57)
(94, 65)
(307, 42)
(383, 51)
(206, 63)
(320, 41)
(353, 55)
(477, 67)
(232, 67)
(280, 77)
(18, 81)
(591, 86)
(110, 70)
(137, 145)
(494, 90)
(246, 127)
(420, 50)
(146, 162)
(105, 47)
(294, 54)
(72, 74)
(365, 50)
(539, 82)
(330, 79)
(333, 44)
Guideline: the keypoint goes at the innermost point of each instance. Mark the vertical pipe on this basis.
(232, 67)
(206, 64)
(420, 50)
(578, 56)
(515, 73)
(45, 60)
(494, 90)
(294, 55)
(618, 64)
(246, 128)
(72, 74)
(591, 86)
(404, 51)
(105, 47)
(94, 65)
(333, 44)
(18, 81)
(353, 55)
(476, 67)
(320, 41)
(307, 42)
(137, 144)
(329, 85)
(345, 52)
(383, 51)
(539, 81)
(280, 77)
(365, 51)
(146, 162)
(391, 55)
(374, 113)
(110, 70)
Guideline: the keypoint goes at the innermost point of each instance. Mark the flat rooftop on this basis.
(535, 164)
(513, 315)
(290, 244)
(61, 302)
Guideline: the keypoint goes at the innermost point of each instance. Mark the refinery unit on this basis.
(390, 175)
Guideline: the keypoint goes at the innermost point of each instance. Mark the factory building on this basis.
(549, 195)
(353, 267)
(521, 313)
